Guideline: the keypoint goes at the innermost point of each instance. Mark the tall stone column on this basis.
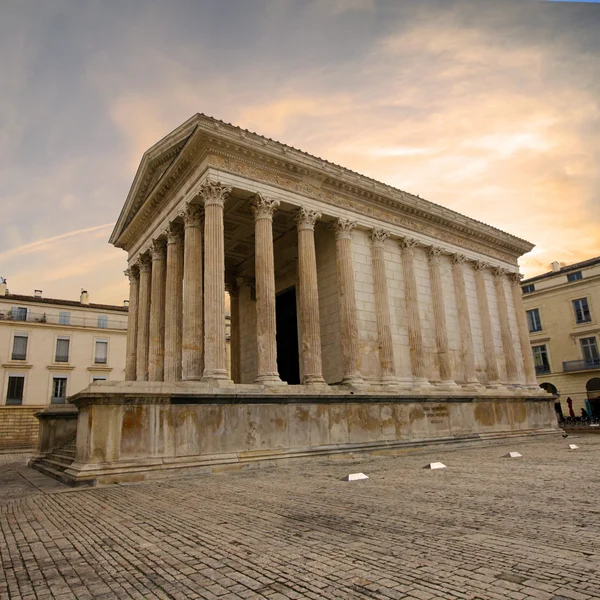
(309, 297)
(143, 327)
(464, 322)
(382, 307)
(491, 362)
(415, 335)
(234, 329)
(512, 373)
(439, 316)
(174, 303)
(132, 323)
(530, 375)
(264, 265)
(156, 353)
(347, 301)
(193, 317)
(215, 352)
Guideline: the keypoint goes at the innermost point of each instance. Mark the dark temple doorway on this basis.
(288, 360)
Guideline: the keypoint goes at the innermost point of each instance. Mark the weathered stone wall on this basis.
(328, 304)
(18, 427)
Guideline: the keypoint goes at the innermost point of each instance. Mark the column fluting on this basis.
(156, 353)
(215, 352)
(415, 335)
(517, 294)
(439, 316)
(512, 373)
(264, 265)
(382, 307)
(347, 301)
(489, 350)
(143, 327)
(192, 343)
(133, 274)
(234, 328)
(310, 323)
(464, 321)
(174, 303)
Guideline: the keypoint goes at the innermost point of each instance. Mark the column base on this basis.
(448, 384)
(472, 386)
(420, 383)
(353, 380)
(215, 375)
(316, 380)
(270, 379)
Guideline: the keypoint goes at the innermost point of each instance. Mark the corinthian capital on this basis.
(408, 245)
(480, 265)
(378, 236)
(433, 254)
(132, 273)
(458, 259)
(499, 272)
(174, 233)
(515, 278)
(343, 228)
(214, 192)
(158, 249)
(192, 215)
(306, 218)
(263, 207)
(144, 262)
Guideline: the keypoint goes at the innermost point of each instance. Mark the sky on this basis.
(488, 107)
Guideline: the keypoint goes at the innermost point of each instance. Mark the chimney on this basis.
(3, 287)
(37, 293)
(555, 266)
(126, 303)
(84, 298)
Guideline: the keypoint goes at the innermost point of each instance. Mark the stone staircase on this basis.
(55, 463)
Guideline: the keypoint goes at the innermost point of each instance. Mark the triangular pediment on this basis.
(154, 165)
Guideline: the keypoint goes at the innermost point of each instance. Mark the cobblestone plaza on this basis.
(486, 527)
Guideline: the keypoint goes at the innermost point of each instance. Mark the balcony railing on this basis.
(542, 369)
(581, 365)
(73, 321)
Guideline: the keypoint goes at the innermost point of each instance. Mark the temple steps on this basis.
(55, 463)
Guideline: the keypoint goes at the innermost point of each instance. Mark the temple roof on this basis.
(161, 162)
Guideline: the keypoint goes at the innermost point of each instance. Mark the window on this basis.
(589, 349)
(64, 318)
(14, 393)
(527, 289)
(102, 321)
(62, 350)
(533, 318)
(59, 390)
(540, 358)
(19, 313)
(574, 276)
(19, 351)
(582, 310)
(101, 353)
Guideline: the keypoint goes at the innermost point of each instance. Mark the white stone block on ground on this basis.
(573, 446)
(435, 465)
(355, 477)
(513, 455)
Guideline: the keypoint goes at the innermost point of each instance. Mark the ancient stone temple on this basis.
(363, 318)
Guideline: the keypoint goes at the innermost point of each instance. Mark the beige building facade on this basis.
(563, 315)
(361, 316)
(51, 349)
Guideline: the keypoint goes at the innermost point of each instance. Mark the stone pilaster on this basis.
(382, 307)
(215, 352)
(512, 373)
(310, 323)
(530, 375)
(192, 345)
(143, 321)
(264, 265)
(234, 329)
(491, 362)
(156, 353)
(415, 335)
(132, 322)
(347, 301)
(464, 322)
(439, 316)
(174, 303)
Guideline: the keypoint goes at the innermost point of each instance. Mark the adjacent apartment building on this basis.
(51, 349)
(563, 312)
